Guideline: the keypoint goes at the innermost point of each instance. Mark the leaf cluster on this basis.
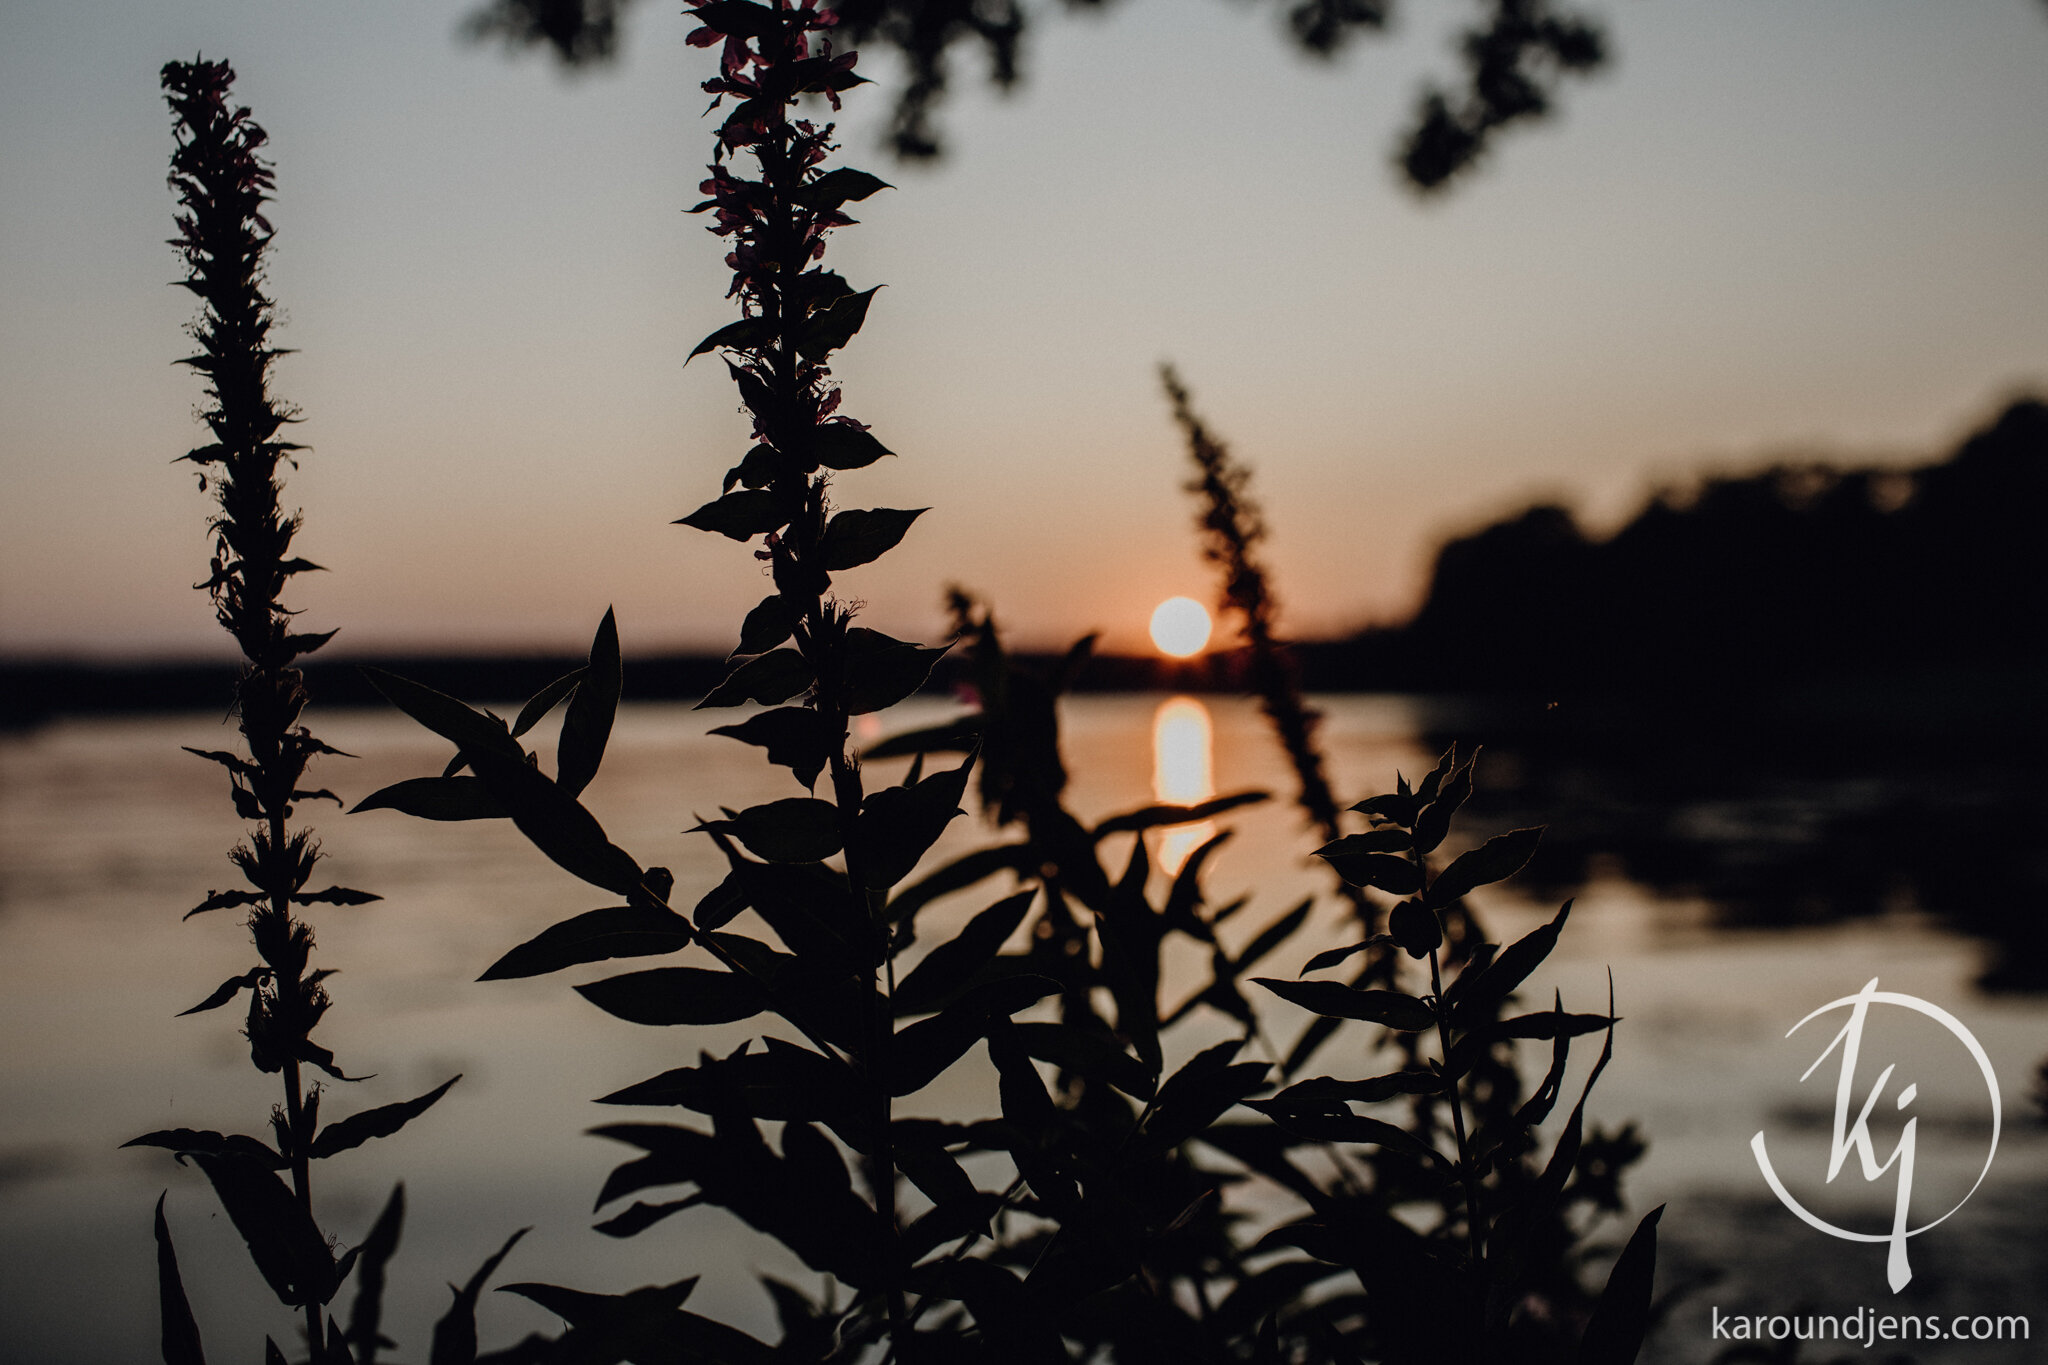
(1491, 1275)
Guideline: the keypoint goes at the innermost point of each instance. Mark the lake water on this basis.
(108, 833)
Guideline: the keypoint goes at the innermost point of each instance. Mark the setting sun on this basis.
(1180, 627)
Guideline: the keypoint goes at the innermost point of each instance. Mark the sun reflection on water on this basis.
(1183, 773)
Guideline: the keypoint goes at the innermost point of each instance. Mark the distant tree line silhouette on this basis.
(1798, 573)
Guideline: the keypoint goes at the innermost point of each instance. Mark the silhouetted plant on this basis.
(1494, 1276)
(1194, 1281)
(834, 976)
(1105, 1229)
(222, 184)
(1515, 56)
(1231, 528)
(1488, 1083)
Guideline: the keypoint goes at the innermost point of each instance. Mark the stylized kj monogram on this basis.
(1855, 1137)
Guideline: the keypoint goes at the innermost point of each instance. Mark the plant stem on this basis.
(1466, 1175)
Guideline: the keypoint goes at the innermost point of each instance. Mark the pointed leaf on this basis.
(949, 967)
(746, 334)
(221, 900)
(924, 1050)
(677, 995)
(771, 679)
(721, 904)
(366, 1314)
(469, 729)
(236, 1145)
(579, 1308)
(838, 445)
(1397, 808)
(335, 895)
(1495, 860)
(1151, 817)
(287, 1248)
(1348, 1127)
(1272, 936)
(546, 700)
(882, 671)
(642, 1216)
(235, 764)
(741, 515)
(897, 825)
(768, 625)
(1332, 956)
(1435, 821)
(760, 467)
(180, 1336)
(595, 936)
(1303, 1096)
(1094, 1055)
(228, 990)
(436, 798)
(832, 326)
(956, 736)
(1622, 1317)
(1199, 1093)
(959, 874)
(1384, 840)
(857, 537)
(588, 726)
(1433, 784)
(1383, 871)
(296, 645)
(797, 829)
(557, 823)
(1509, 970)
(455, 1333)
(785, 1082)
(920, 1147)
(1545, 1024)
(382, 1121)
(795, 737)
(841, 185)
(1336, 1000)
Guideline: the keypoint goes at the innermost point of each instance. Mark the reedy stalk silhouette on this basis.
(1231, 528)
(222, 183)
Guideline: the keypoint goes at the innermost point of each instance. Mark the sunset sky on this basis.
(1769, 228)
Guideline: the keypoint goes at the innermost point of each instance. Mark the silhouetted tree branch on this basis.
(1515, 56)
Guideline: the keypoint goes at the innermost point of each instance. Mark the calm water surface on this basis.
(108, 833)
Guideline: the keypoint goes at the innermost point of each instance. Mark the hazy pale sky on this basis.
(1772, 226)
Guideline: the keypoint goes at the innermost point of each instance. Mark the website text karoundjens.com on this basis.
(1868, 1327)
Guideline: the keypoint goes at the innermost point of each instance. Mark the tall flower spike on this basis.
(222, 183)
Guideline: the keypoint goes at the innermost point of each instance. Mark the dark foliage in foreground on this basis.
(1103, 1209)
(1133, 1189)
(1515, 54)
